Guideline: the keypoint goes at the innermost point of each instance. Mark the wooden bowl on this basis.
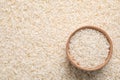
(75, 63)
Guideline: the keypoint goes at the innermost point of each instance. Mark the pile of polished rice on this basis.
(89, 48)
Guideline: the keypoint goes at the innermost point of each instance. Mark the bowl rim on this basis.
(75, 63)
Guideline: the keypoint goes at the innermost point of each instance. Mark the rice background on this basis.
(33, 35)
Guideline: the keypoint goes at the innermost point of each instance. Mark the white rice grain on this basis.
(89, 48)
